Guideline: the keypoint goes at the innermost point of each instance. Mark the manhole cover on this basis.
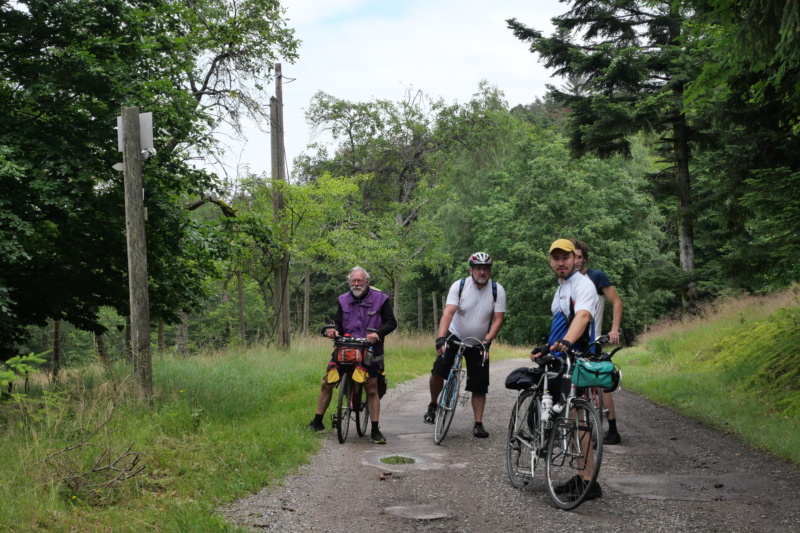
(397, 460)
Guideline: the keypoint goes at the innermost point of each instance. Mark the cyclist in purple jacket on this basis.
(361, 308)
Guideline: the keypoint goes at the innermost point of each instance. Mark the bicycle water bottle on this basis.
(547, 406)
(370, 355)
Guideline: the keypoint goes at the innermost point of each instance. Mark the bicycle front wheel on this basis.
(361, 407)
(343, 408)
(448, 401)
(524, 439)
(574, 454)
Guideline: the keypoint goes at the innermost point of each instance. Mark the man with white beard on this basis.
(360, 309)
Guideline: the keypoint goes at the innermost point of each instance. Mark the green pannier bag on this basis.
(593, 374)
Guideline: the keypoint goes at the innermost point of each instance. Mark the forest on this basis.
(670, 147)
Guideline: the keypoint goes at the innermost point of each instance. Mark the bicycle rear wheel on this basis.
(343, 408)
(574, 454)
(361, 407)
(446, 408)
(524, 442)
(595, 397)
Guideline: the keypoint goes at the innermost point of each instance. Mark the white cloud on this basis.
(363, 49)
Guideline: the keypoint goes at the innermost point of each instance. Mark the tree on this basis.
(67, 68)
(748, 95)
(393, 144)
(636, 58)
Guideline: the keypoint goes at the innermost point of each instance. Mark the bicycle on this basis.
(451, 395)
(566, 434)
(352, 404)
(595, 395)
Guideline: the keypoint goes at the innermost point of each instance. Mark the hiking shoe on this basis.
(377, 437)
(430, 414)
(572, 486)
(612, 438)
(316, 426)
(479, 432)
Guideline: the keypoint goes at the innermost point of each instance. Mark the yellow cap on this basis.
(562, 244)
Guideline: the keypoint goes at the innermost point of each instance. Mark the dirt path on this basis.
(669, 474)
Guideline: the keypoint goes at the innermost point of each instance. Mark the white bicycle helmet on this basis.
(480, 258)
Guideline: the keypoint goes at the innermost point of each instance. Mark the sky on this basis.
(360, 50)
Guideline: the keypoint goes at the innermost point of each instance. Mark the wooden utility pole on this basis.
(281, 275)
(137, 255)
(240, 293)
(306, 300)
(420, 308)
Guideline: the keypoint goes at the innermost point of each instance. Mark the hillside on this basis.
(736, 366)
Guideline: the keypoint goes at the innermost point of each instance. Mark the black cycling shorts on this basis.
(477, 373)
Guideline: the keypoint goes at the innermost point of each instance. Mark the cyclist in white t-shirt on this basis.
(475, 307)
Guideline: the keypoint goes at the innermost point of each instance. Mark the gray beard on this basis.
(358, 291)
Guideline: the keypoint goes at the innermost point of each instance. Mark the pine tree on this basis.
(636, 59)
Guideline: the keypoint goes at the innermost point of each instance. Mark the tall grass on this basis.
(736, 367)
(230, 423)
(223, 425)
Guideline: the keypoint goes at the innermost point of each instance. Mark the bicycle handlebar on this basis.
(463, 343)
(345, 337)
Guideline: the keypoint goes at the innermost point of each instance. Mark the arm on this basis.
(444, 324)
(333, 332)
(579, 323)
(388, 323)
(610, 293)
(497, 323)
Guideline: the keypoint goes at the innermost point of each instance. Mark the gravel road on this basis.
(669, 474)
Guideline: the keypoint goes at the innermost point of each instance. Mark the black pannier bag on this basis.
(523, 378)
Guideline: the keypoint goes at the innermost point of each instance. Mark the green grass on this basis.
(223, 426)
(736, 368)
(228, 424)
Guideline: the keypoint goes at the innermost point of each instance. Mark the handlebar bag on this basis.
(593, 373)
(349, 355)
(523, 378)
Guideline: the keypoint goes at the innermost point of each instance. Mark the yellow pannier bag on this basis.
(360, 375)
(332, 374)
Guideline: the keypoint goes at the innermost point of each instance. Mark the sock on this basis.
(479, 424)
(612, 425)
(318, 419)
(374, 426)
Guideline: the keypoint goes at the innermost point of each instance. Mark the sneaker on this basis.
(594, 492)
(572, 486)
(316, 426)
(479, 431)
(612, 438)
(430, 414)
(577, 485)
(377, 437)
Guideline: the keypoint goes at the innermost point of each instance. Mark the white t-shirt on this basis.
(475, 309)
(581, 291)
